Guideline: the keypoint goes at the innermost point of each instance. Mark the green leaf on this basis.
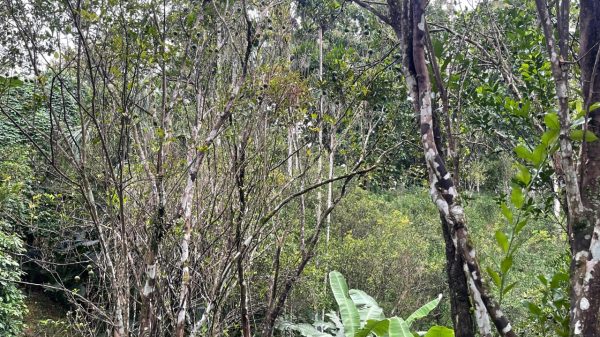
(10, 82)
(516, 197)
(508, 288)
(594, 106)
(550, 136)
(539, 154)
(577, 135)
(424, 310)
(523, 175)
(524, 111)
(439, 331)
(579, 106)
(506, 264)
(551, 121)
(506, 212)
(519, 227)
(502, 240)
(557, 279)
(398, 328)
(377, 327)
(190, 19)
(368, 308)
(495, 277)
(361, 298)
(523, 152)
(348, 311)
(534, 309)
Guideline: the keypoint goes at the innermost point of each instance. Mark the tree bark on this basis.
(408, 21)
(460, 305)
(582, 190)
(586, 234)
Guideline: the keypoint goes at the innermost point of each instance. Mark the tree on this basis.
(581, 181)
(181, 144)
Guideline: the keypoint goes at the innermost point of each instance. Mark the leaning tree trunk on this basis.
(407, 18)
(408, 21)
(460, 305)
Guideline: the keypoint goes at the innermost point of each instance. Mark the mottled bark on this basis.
(460, 305)
(586, 318)
(412, 33)
(582, 189)
(407, 18)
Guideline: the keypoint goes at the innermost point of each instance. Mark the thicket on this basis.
(199, 168)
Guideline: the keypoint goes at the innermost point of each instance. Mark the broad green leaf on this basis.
(525, 107)
(577, 135)
(438, 48)
(551, 121)
(554, 148)
(523, 174)
(550, 136)
(348, 311)
(377, 327)
(398, 328)
(360, 298)
(534, 309)
(594, 106)
(506, 212)
(579, 106)
(333, 316)
(439, 331)
(495, 277)
(539, 154)
(557, 279)
(10, 82)
(368, 308)
(424, 310)
(373, 312)
(523, 152)
(506, 264)
(502, 240)
(516, 197)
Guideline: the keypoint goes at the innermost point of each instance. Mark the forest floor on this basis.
(46, 316)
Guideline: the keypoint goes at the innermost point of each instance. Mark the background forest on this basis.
(198, 168)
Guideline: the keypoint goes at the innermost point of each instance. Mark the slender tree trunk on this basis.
(460, 305)
(408, 20)
(239, 168)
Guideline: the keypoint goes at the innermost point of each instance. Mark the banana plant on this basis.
(361, 316)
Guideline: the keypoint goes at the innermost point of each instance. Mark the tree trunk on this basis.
(586, 302)
(582, 188)
(460, 305)
(408, 20)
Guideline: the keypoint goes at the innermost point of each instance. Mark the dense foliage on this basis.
(181, 168)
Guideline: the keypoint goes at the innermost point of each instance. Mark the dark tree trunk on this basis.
(407, 19)
(582, 186)
(460, 305)
(585, 233)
